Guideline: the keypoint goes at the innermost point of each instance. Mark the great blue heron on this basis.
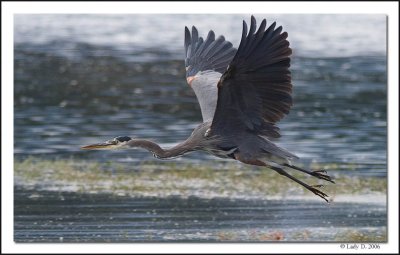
(242, 94)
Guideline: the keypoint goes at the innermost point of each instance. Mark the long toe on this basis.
(321, 174)
(319, 193)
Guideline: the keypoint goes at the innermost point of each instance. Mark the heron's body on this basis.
(244, 145)
(242, 94)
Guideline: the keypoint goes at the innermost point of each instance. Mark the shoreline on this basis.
(165, 179)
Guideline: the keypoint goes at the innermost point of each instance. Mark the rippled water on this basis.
(339, 113)
(70, 217)
(81, 79)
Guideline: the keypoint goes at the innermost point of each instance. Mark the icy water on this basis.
(81, 79)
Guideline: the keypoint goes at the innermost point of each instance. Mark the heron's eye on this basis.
(123, 138)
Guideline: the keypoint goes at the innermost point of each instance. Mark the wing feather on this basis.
(255, 91)
(205, 61)
(211, 54)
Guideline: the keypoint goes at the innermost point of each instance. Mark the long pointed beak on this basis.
(99, 146)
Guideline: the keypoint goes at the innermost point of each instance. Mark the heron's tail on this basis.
(275, 150)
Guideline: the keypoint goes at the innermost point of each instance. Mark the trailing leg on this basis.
(256, 162)
(313, 189)
(320, 174)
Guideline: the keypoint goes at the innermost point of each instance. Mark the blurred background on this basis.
(81, 79)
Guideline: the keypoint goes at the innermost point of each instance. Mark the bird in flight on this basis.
(242, 94)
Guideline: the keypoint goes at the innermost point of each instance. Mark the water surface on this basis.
(81, 79)
(71, 217)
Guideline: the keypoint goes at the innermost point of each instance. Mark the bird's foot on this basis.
(322, 174)
(319, 193)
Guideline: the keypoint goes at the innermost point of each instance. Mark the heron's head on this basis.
(116, 143)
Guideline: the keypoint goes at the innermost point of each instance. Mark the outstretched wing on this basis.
(255, 92)
(205, 61)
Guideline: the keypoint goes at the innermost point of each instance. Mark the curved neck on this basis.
(157, 151)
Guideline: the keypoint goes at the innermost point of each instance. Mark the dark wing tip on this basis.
(211, 35)
(187, 32)
(244, 32)
(187, 39)
(253, 23)
(194, 30)
(261, 28)
(195, 34)
(278, 30)
(262, 25)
